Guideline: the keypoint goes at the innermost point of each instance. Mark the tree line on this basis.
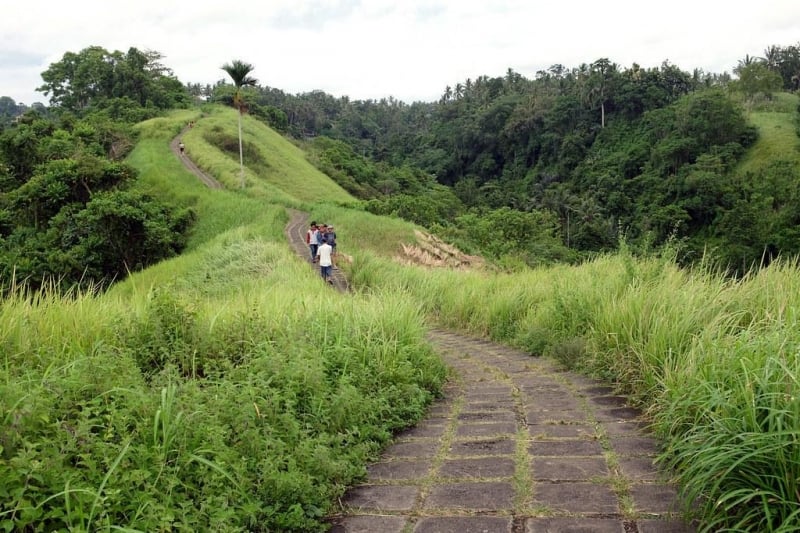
(533, 170)
(600, 151)
(69, 215)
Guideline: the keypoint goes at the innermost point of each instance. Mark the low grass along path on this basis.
(516, 445)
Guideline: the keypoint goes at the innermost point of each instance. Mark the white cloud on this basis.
(376, 48)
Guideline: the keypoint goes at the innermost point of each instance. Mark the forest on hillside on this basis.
(568, 163)
(69, 211)
(524, 171)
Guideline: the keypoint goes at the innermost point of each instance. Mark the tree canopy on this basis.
(68, 213)
(95, 77)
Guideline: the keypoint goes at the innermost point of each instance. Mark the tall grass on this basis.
(228, 389)
(714, 362)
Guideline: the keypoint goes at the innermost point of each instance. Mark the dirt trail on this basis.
(516, 445)
(209, 181)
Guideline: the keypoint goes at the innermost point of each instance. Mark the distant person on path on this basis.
(331, 239)
(312, 240)
(324, 254)
(181, 147)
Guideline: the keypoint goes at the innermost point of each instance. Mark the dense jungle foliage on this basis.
(583, 155)
(69, 209)
(532, 171)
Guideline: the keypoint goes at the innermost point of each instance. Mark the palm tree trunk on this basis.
(241, 157)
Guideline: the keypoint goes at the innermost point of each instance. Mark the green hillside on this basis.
(777, 128)
(276, 170)
(228, 389)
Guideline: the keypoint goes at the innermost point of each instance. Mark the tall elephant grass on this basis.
(163, 405)
(227, 389)
(714, 362)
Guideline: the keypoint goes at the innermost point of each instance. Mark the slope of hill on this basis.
(275, 169)
(778, 140)
(277, 172)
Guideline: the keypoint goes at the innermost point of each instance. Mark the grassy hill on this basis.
(778, 140)
(276, 170)
(229, 390)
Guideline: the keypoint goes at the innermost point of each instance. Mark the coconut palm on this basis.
(239, 71)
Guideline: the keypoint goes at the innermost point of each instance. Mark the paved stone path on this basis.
(516, 445)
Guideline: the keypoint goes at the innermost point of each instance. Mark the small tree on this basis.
(755, 78)
(239, 72)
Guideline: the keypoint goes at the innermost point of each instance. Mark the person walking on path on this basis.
(312, 240)
(324, 254)
(181, 147)
(331, 239)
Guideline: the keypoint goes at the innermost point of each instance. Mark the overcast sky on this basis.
(409, 49)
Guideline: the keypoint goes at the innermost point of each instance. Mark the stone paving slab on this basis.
(551, 403)
(416, 448)
(381, 497)
(583, 498)
(568, 468)
(500, 416)
(624, 428)
(665, 526)
(655, 498)
(491, 390)
(369, 524)
(489, 406)
(574, 525)
(639, 468)
(560, 417)
(486, 430)
(500, 446)
(424, 430)
(561, 431)
(612, 400)
(472, 496)
(464, 524)
(635, 445)
(617, 414)
(398, 470)
(560, 448)
(488, 467)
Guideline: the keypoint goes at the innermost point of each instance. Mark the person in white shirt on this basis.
(324, 251)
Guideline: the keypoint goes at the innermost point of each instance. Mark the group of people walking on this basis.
(321, 241)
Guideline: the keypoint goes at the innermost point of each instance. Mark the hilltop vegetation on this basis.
(70, 211)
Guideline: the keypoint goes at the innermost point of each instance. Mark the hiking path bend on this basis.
(516, 445)
(207, 180)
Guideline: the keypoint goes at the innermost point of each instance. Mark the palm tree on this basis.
(239, 71)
